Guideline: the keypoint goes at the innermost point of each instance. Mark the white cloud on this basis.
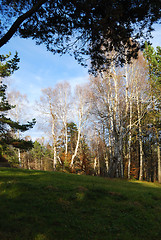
(156, 41)
(76, 81)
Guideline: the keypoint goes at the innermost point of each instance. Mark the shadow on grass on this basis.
(36, 205)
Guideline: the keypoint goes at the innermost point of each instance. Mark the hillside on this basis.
(36, 205)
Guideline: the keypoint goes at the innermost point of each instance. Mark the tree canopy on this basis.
(153, 58)
(88, 28)
(7, 126)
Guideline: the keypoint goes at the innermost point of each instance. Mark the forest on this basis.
(94, 172)
(109, 127)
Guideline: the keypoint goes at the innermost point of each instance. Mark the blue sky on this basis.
(40, 69)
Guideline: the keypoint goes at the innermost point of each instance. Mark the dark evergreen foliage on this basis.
(7, 126)
(88, 28)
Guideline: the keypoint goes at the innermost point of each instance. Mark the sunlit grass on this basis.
(36, 205)
(148, 184)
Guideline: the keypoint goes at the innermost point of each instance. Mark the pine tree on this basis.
(153, 58)
(8, 127)
(81, 27)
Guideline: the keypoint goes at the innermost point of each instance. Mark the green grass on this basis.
(36, 205)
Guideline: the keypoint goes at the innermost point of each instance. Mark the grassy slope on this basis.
(49, 206)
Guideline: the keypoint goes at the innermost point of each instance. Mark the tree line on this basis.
(9, 128)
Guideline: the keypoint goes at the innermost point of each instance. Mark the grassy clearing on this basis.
(37, 205)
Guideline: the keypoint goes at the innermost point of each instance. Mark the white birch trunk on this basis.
(54, 146)
(65, 125)
(95, 164)
(28, 162)
(53, 135)
(126, 84)
(76, 148)
(159, 162)
(130, 118)
(82, 109)
(19, 157)
(129, 142)
(140, 137)
(117, 125)
(110, 138)
(120, 159)
(66, 143)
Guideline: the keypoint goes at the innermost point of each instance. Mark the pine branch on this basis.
(18, 22)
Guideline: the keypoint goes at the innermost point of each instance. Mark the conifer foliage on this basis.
(82, 27)
(8, 127)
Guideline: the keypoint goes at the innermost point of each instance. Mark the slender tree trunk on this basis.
(114, 131)
(128, 137)
(66, 143)
(159, 162)
(129, 142)
(54, 145)
(117, 129)
(36, 160)
(120, 159)
(110, 138)
(126, 86)
(53, 134)
(158, 155)
(19, 157)
(82, 116)
(157, 138)
(76, 148)
(140, 139)
(28, 161)
(95, 164)
(99, 167)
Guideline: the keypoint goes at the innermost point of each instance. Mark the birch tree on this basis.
(129, 112)
(54, 106)
(81, 112)
(19, 112)
(139, 95)
(63, 102)
(107, 96)
(47, 111)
